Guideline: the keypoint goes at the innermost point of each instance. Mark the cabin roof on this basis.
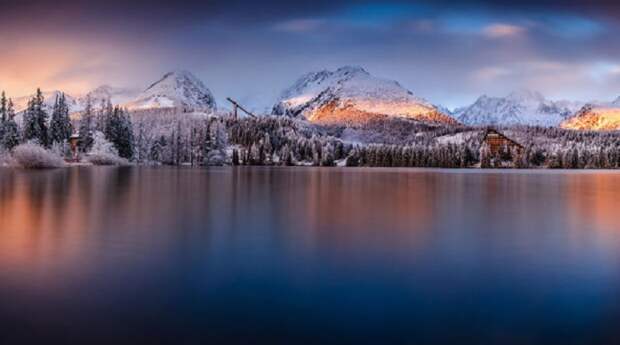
(489, 131)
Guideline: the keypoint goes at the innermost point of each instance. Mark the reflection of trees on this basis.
(34, 218)
(371, 210)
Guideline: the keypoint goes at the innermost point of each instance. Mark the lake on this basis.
(309, 256)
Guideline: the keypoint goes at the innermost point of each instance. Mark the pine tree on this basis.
(485, 157)
(157, 150)
(119, 131)
(235, 157)
(10, 138)
(87, 127)
(3, 117)
(35, 120)
(60, 126)
(3, 108)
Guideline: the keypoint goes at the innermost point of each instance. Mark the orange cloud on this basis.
(503, 30)
(71, 64)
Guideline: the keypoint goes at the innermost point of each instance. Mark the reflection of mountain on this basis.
(381, 242)
(365, 213)
(595, 210)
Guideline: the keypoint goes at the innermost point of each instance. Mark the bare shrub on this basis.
(34, 156)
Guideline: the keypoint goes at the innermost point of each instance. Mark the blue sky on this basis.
(449, 52)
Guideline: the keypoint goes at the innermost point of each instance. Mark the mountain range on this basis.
(518, 108)
(350, 95)
(178, 89)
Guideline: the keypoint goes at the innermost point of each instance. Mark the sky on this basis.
(449, 52)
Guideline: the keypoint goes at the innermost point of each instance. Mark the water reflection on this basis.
(309, 255)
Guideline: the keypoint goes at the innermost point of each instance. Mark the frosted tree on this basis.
(485, 157)
(11, 135)
(235, 157)
(119, 131)
(327, 158)
(3, 107)
(216, 141)
(157, 151)
(60, 125)
(35, 120)
(103, 152)
(86, 127)
(101, 145)
(3, 114)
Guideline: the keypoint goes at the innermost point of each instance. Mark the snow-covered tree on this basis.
(87, 127)
(35, 120)
(119, 131)
(60, 125)
(104, 152)
(11, 136)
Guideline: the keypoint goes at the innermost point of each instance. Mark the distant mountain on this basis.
(596, 117)
(352, 95)
(518, 108)
(21, 103)
(179, 89)
(104, 93)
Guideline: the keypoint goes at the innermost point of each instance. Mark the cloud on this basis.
(603, 71)
(500, 30)
(488, 74)
(423, 25)
(299, 25)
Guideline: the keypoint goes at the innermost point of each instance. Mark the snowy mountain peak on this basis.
(525, 95)
(595, 116)
(176, 89)
(351, 70)
(49, 98)
(350, 94)
(174, 78)
(523, 107)
(105, 93)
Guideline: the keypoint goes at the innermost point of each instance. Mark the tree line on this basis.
(171, 137)
(54, 130)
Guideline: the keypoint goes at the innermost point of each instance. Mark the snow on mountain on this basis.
(352, 95)
(21, 103)
(179, 89)
(104, 93)
(596, 117)
(175, 90)
(518, 108)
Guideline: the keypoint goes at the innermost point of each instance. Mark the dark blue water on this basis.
(309, 256)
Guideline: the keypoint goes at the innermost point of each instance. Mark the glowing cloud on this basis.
(503, 30)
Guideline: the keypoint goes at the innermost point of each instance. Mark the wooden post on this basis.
(237, 106)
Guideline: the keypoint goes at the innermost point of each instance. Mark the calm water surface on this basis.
(267, 255)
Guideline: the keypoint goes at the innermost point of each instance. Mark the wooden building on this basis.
(74, 141)
(497, 140)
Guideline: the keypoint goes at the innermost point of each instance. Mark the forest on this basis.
(112, 135)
